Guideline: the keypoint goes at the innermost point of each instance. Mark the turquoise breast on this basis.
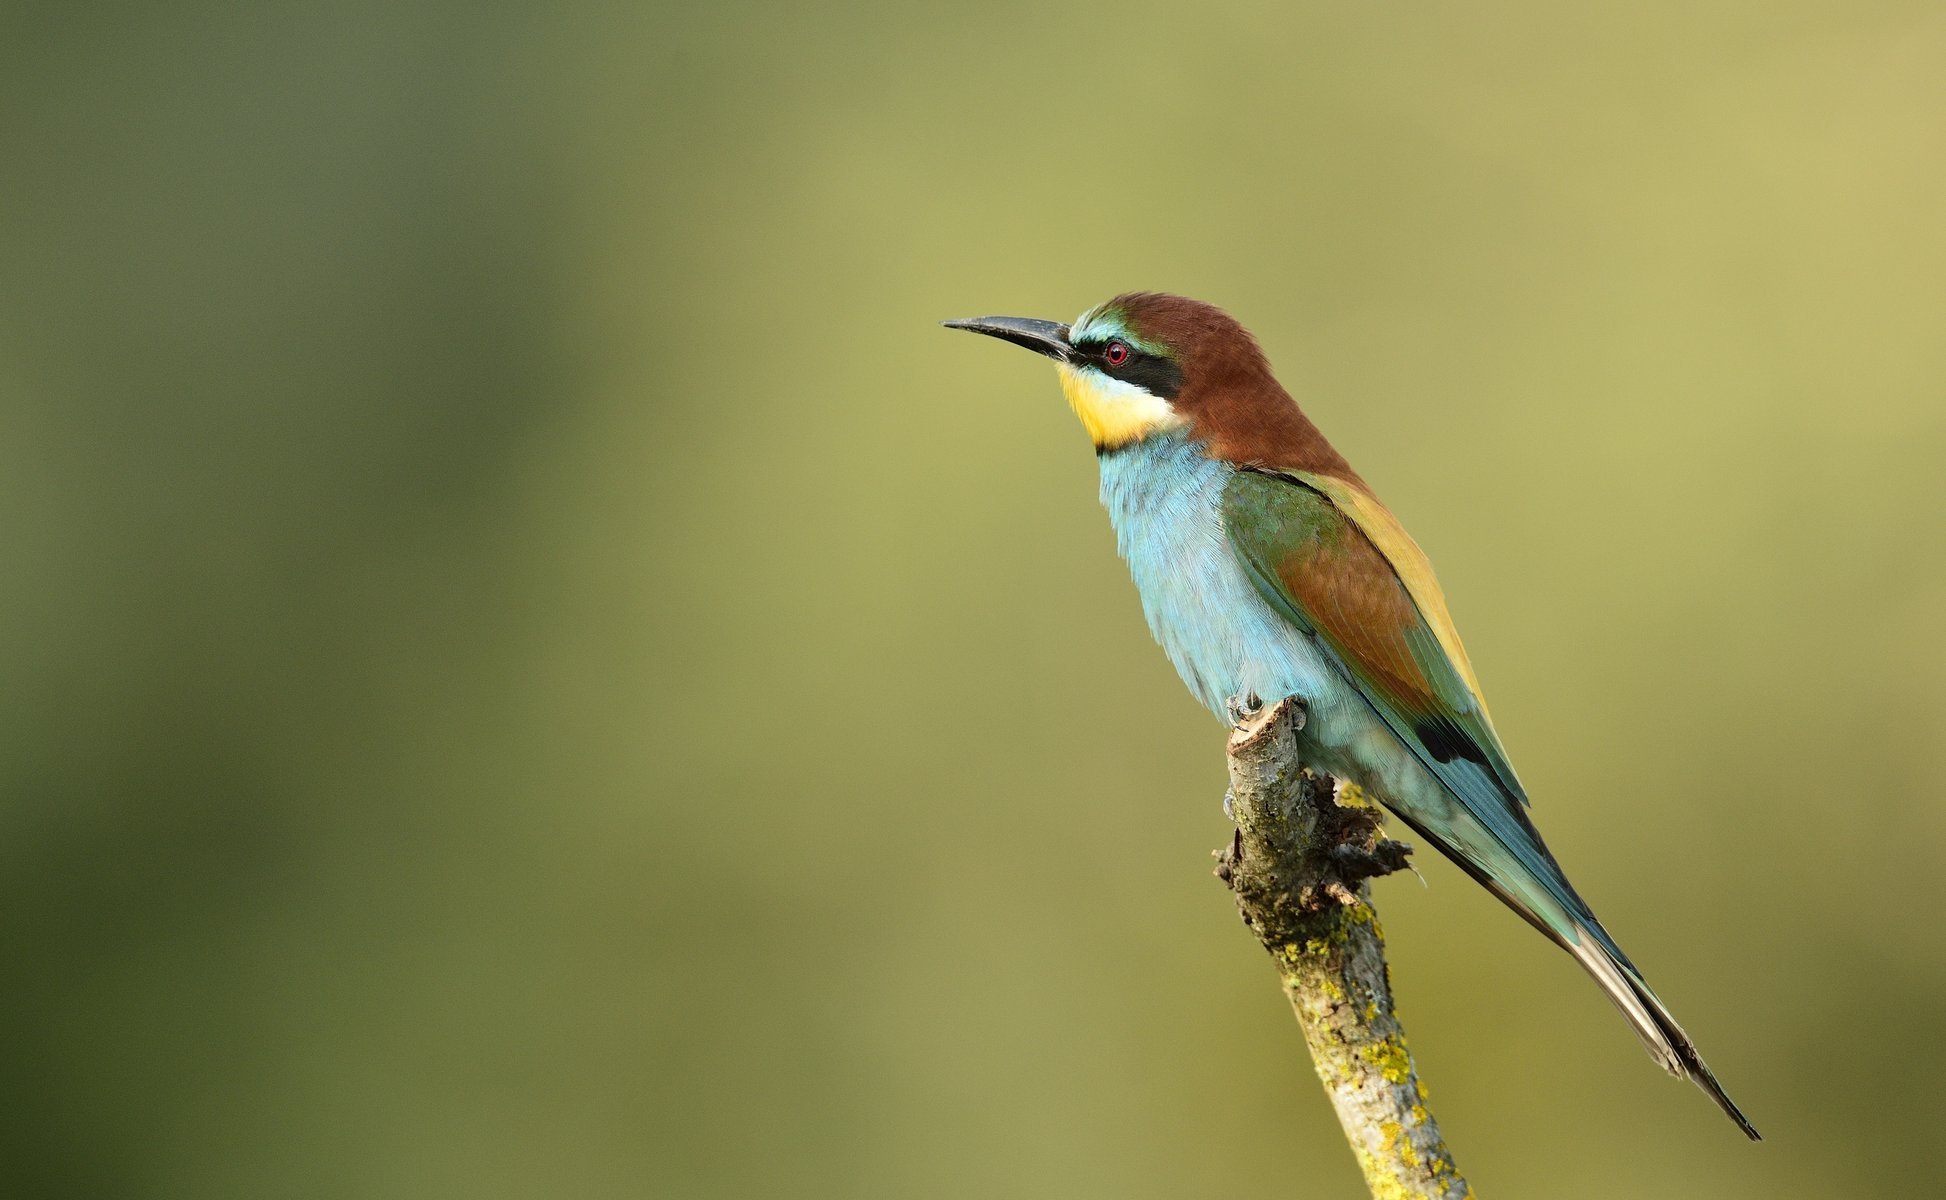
(1164, 496)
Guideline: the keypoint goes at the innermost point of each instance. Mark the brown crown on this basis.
(1228, 392)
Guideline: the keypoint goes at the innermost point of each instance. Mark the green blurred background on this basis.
(530, 666)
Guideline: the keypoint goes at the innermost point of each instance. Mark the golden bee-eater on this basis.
(1267, 567)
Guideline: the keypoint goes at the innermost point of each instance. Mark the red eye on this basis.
(1115, 353)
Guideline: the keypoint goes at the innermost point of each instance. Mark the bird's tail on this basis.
(1549, 903)
(1665, 1040)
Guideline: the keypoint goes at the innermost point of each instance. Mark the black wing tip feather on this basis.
(1650, 1018)
(1682, 1055)
(1699, 1074)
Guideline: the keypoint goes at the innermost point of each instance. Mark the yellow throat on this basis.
(1113, 412)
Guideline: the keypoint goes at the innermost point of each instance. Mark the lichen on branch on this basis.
(1298, 865)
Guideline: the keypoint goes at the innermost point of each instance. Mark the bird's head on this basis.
(1147, 363)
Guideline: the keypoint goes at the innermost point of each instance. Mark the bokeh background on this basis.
(530, 666)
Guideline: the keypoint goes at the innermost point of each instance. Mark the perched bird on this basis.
(1268, 567)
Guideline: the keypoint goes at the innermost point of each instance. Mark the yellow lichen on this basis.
(1397, 1144)
(1383, 1178)
(1390, 1057)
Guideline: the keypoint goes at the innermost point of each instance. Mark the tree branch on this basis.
(1298, 865)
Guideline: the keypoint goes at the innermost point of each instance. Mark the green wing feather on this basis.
(1355, 583)
(1319, 567)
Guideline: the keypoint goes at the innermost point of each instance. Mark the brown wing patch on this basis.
(1358, 604)
(1376, 522)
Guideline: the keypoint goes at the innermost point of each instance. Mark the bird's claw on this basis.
(1241, 709)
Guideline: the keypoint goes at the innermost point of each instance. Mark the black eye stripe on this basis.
(1153, 373)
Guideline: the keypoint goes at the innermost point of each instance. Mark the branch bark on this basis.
(1298, 865)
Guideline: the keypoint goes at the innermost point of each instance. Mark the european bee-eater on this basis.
(1267, 567)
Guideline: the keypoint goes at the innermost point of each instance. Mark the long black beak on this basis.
(1042, 337)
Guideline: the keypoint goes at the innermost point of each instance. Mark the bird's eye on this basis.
(1115, 353)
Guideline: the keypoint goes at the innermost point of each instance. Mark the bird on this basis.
(1268, 567)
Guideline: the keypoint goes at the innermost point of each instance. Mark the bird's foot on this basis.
(1242, 708)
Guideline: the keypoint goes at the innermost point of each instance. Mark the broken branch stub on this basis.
(1298, 865)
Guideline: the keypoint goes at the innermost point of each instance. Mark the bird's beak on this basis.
(1042, 337)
